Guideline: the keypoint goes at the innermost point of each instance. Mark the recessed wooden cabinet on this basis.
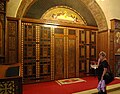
(51, 52)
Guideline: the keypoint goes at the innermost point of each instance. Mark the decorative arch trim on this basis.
(90, 4)
(25, 4)
(97, 14)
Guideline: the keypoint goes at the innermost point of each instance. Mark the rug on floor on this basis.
(70, 81)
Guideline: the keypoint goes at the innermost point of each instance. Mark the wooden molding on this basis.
(58, 23)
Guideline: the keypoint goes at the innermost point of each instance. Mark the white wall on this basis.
(109, 7)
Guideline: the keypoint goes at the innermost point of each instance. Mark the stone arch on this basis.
(25, 4)
(90, 4)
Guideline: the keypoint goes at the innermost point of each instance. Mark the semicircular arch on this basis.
(90, 4)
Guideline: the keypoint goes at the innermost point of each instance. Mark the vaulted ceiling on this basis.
(37, 9)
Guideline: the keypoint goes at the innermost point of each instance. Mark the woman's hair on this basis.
(102, 53)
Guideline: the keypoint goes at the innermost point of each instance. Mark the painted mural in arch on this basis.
(64, 14)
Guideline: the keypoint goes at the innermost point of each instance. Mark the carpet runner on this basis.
(53, 88)
(70, 81)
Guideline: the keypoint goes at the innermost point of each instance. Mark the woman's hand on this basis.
(101, 78)
(99, 61)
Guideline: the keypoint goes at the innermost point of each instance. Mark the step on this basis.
(110, 88)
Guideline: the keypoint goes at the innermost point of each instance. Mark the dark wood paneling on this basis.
(59, 58)
(114, 53)
(2, 30)
(71, 52)
(11, 85)
(49, 53)
(12, 42)
(59, 53)
(45, 53)
(29, 52)
(87, 49)
(102, 41)
(52, 22)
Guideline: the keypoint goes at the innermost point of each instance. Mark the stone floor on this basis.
(111, 89)
(114, 92)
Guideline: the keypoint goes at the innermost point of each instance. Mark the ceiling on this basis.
(41, 6)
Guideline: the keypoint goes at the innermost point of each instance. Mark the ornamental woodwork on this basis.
(115, 46)
(11, 85)
(49, 52)
(59, 51)
(2, 29)
(45, 53)
(12, 42)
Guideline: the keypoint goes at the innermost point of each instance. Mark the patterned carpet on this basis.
(70, 81)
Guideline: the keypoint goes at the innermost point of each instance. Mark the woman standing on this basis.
(102, 68)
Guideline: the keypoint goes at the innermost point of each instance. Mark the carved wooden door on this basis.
(28, 48)
(45, 53)
(87, 49)
(71, 51)
(36, 52)
(65, 53)
(50, 53)
(59, 53)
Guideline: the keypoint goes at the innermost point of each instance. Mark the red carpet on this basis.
(54, 88)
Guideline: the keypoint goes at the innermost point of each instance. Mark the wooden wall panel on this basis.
(29, 52)
(45, 53)
(82, 55)
(102, 42)
(71, 53)
(117, 65)
(49, 52)
(115, 46)
(93, 45)
(2, 30)
(106, 43)
(72, 59)
(111, 52)
(117, 41)
(12, 42)
(36, 52)
(87, 51)
(1, 36)
(82, 50)
(59, 58)
(59, 53)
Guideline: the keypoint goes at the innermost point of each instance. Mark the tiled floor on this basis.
(112, 89)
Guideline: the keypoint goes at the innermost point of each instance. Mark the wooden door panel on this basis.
(71, 52)
(50, 53)
(45, 53)
(59, 58)
(29, 52)
(71, 58)
(12, 47)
